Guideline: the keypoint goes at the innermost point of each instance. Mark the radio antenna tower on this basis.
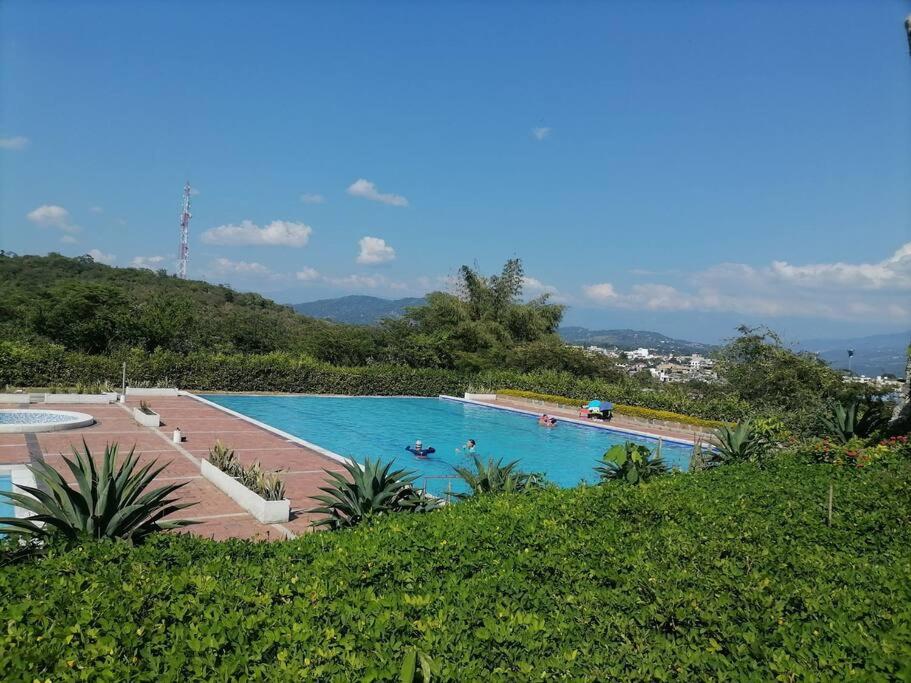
(183, 253)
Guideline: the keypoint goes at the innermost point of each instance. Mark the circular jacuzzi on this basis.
(21, 421)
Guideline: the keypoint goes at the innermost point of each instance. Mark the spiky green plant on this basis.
(369, 490)
(854, 419)
(631, 463)
(492, 476)
(110, 502)
(740, 443)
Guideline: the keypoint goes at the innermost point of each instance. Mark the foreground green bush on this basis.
(731, 574)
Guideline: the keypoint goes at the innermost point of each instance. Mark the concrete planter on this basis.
(266, 511)
(80, 398)
(151, 391)
(145, 419)
(14, 399)
(480, 397)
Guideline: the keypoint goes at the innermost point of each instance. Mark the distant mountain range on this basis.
(873, 355)
(357, 310)
(632, 339)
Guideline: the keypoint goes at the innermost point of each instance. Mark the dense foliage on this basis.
(631, 463)
(732, 574)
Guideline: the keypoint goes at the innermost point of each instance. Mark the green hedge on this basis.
(728, 575)
(632, 411)
(26, 365)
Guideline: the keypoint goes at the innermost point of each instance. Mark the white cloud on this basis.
(367, 190)
(96, 209)
(225, 266)
(100, 257)
(540, 133)
(308, 274)
(150, 262)
(68, 239)
(313, 198)
(840, 291)
(194, 192)
(52, 216)
(17, 142)
(374, 250)
(277, 233)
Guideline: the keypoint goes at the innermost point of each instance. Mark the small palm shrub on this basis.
(267, 485)
(112, 502)
(630, 463)
(855, 419)
(369, 490)
(740, 443)
(492, 476)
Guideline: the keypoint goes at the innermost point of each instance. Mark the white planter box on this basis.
(16, 399)
(80, 398)
(146, 420)
(266, 511)
(151, 391)
(480, 397)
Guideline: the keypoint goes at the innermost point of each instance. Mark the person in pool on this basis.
(468, 448)
(419, 450)
(547, 421)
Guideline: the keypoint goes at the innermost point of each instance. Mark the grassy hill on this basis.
(632, 339)
(94, 308)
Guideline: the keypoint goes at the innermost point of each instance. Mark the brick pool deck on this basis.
(219, 517)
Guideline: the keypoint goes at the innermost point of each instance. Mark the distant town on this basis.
(676, 367)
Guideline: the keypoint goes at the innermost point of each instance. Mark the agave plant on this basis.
(854, 419)
(631, 463)
(108, 503)
(369, 490)
(492, 476)
(740, 443)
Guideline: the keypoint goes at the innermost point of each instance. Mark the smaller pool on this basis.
(6, 485)
(24, 420)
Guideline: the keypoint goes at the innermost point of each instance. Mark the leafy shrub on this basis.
(267, 485)
(854, 452)
(742, 443)
(369, 491)
(731, 575)
(620, 409)
(854, 419)
(631, 463)
(109, 503)
(493, 476)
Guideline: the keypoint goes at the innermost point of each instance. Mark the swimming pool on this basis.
(360, 427)
(6, 484)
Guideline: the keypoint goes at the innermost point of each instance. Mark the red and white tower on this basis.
(183, 253)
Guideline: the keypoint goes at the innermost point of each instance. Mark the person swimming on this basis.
(547, 421)
(419, 451)
(468, 448)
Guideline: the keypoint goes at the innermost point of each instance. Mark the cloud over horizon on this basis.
(15, 143)
(367, 190)
(374, 250)
(52, 216)
(836, 291)
(276, 233)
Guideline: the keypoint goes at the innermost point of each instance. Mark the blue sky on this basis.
(683, 167)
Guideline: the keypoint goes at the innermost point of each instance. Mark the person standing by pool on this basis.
(419, 451)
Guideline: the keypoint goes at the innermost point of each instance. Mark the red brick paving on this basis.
(202, 425)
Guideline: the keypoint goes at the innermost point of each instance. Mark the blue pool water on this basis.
(6, 484)
(381, 427)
